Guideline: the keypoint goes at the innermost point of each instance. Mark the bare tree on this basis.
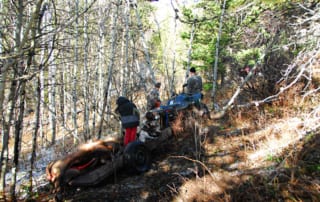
(86, 78)
(107, 84)
(145, 47)
(22, 73)
(74, 78)
(125, 69)
(52, 75)
(13, 97)
(215, 68)
(104, 12)
(192, 33)
(4, 74)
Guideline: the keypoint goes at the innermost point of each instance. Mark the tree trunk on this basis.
(39, 86)
(215, 69)
(35, 133)
(5, 135)
(22, 71)
(52, 79)
(6, 127)
(125, 70)
(86, 128)
(42, 134)
(145, 47)
(190, 49)
(17, 136)
(173, 66)
(4, 68)
(66, 101)
(111, 64)
(7, 120)
(62, 101)
(98, 85)
(74, 80)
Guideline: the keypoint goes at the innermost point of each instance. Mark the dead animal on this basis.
(88, 155)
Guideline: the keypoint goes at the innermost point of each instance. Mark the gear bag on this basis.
(130, 121)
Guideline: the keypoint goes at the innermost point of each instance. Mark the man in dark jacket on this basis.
(194, 82)
(129, 118)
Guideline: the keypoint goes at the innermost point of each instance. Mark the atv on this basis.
(180, 103)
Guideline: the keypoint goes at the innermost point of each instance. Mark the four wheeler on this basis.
(182, 102)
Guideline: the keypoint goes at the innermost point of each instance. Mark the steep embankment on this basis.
(213, 162)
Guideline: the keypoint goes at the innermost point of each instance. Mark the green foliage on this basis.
(309, 137)
(185, 35)
(312, 168)
(207, 86)
(145, 10)
(248, 57)
(157, 52)
(247, 27)
(206, 33)
(209, 9)
(234, 4)
(273, 4)
(187, 13)
(273, 158)
(25, 188)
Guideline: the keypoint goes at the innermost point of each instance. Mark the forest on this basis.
(63, 64)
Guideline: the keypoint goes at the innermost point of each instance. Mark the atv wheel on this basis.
(137, 157)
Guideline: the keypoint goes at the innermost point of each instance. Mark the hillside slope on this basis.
(278, 162)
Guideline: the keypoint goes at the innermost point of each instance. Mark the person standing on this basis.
(130, 118)
(194, 82)
(153, 98)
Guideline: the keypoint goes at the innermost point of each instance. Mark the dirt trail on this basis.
(219, 167)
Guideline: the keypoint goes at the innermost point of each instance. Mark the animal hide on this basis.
(85, 158)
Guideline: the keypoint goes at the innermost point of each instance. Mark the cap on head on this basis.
(192, 69)
(158, 84)
(121, 100)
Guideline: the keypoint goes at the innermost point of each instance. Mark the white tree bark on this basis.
(52, 77)
(86, 128)
(215, 68)
(104, 12)
(74, 79)
(8, 117)
(18, 136)
(190, 49)
(145, 47)
(39, 83)
(5, 135)
(173, 65)
(22, 71)
(111, 63)
(42, 134)
(125, 69)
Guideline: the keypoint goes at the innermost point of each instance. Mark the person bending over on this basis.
(130, 118)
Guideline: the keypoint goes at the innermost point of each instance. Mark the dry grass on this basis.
(270, 154)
